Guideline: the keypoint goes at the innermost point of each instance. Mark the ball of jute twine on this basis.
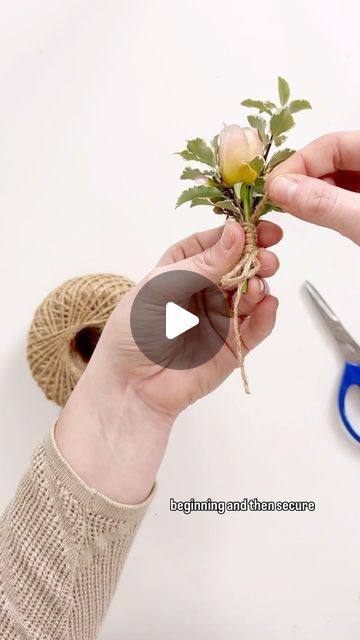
(246, 268)
(66, 328)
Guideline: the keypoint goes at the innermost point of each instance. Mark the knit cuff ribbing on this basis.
(65, 475)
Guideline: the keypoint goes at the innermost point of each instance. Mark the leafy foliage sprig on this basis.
(272, 122)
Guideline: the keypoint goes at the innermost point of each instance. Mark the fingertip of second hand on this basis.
(274, 300)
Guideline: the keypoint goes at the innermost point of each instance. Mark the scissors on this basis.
(350, 350)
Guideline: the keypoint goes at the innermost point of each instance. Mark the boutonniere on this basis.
(231, 179)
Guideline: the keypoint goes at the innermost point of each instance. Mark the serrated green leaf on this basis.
(270, 206)
(266, 208)
(216, 199)
(257, 164)
(281, 122)
(284, 91)
(228, 205)
(259, 186)
(280, 156)
(186, 155)
(269, 105)
(299, 105)
(191, 174)
(259, 124)
(201, 151)
(195, 202)
(279, 140)
(259, 104)
(202, 191)
(256, 104)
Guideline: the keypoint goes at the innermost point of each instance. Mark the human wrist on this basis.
(114, 441)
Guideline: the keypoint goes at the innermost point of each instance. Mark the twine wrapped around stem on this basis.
(246, 268)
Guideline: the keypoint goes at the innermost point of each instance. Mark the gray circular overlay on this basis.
(194, 293)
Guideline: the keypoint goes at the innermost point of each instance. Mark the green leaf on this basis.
(195, 202)
(237, 189)
(259, 124)
(270, 206)
(191, 174)
(257, 164)
(280, 156)
(281, 122)
(228, 205)
(202, 191)
(198, 151)
(284, 91)
(256, 104)
(259, 186)
(201, 151)
(299, 105)
(279, 140)
(269, 105)
(259, 104)
(186, 155)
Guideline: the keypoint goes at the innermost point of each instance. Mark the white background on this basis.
(95, 98)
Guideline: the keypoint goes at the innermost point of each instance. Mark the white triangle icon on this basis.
(178, 320)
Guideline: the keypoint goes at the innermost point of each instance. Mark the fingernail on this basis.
(263, 286)
(281, 189)
(227, 237)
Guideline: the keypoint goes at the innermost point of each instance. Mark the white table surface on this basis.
(95, 98)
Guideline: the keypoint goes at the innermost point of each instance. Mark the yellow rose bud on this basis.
(237, 147)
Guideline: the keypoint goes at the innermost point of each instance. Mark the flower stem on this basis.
(245, 198)
(268, 148)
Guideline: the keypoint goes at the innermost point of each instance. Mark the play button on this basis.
(180, 319)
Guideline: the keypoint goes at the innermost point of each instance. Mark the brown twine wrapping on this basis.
(245, 269)
(66, 328)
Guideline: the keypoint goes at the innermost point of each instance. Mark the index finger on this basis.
(325, 155)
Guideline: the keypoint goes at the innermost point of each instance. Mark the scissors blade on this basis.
(348, 346)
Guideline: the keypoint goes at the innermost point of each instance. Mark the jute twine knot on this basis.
(246, 268)
(66, 328)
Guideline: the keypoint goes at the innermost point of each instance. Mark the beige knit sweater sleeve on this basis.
(62, 548)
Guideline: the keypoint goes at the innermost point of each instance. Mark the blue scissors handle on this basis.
(351, 376)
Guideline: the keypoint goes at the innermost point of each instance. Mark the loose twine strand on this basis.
(246, 268)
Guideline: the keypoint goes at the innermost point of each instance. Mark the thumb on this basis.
(318, 202)
(217, 260)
